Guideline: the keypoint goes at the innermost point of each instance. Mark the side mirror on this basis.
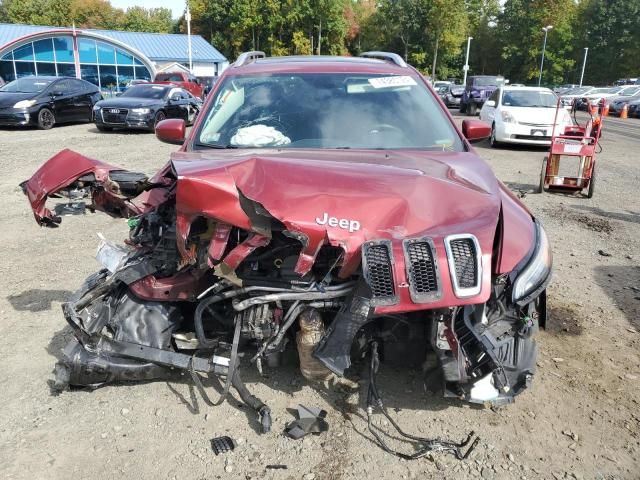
(176, 98)
(475, 130)
(490, 103)
(56, 93)
(171, 131)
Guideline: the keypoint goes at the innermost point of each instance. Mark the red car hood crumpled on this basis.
(387, 195)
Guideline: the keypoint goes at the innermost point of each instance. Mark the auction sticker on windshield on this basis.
(394, 81)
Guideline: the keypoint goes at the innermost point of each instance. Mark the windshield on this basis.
(596, 91)
(579, 91)
(27, 85)
(488, 81)
(146, 91)
(529, 98)
(325, 110)
(168, 77)
(629, 91)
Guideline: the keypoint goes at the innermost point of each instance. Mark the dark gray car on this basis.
(143, 106)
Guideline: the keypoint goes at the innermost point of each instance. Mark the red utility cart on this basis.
(575, 141)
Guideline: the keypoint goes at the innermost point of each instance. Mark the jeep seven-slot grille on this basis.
(378, 271)
(464, 255)
(422, 270)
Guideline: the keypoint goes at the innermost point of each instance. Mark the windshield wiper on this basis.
(215, 145)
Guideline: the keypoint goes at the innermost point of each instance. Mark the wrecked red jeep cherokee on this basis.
(319, 203)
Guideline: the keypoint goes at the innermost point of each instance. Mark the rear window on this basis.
(169, 77)
(327, 110)
(146, 91)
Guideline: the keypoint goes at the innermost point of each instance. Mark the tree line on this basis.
(429, 34)
(86, 14)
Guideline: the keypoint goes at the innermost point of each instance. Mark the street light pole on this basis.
(187, 17)
(544, 46)
(466, 61)
(584, 63)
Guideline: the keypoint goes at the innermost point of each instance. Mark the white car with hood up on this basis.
(523, 115)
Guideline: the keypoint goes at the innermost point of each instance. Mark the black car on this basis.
(46, 101)
(143, 106)
(451, 94)
(634, 108)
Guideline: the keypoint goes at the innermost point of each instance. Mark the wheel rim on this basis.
(161, 116)
(46, 118)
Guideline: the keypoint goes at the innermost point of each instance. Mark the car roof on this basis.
(320, 64)
(534, 89)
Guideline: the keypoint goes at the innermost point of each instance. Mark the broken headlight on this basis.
(537, 272)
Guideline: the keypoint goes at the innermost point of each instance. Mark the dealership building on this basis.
(107, 58)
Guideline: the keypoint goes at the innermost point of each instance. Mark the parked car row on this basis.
(47, 101)
(614, 97)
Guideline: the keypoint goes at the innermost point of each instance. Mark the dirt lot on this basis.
(580, 420)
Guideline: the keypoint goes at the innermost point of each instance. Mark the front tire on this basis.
(160, 116)
(492, 140)
(592, 183)
(46, 119)
(543, 174)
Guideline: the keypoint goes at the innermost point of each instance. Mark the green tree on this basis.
(521, 35)
(482, 21)
(139, 19)
(611, 31)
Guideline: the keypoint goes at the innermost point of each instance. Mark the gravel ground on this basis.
(581, 419)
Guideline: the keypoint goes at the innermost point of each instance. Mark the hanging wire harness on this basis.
(424, 446)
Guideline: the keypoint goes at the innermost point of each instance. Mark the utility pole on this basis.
(466, 61)
(544, 46)
(584, 63)
(187, 17)
(435, 59)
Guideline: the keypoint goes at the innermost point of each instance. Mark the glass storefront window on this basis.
(101, 63)
(108, 77)
(44, 50)
(142, 73)
(6, 71)
(25, 52)
(64, 49)
(87, 51)
(66, 70)
(106, 54)
(125, 75)
(46, 68)
(123, 58)
(90, 73)
(24, 69)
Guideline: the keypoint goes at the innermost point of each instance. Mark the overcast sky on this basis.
(176, 6)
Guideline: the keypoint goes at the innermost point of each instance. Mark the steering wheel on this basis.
(384, 127)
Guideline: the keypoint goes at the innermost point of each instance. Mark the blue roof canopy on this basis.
(156, 46)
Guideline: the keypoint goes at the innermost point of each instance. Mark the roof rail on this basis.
(247, 57)
(391, 57)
